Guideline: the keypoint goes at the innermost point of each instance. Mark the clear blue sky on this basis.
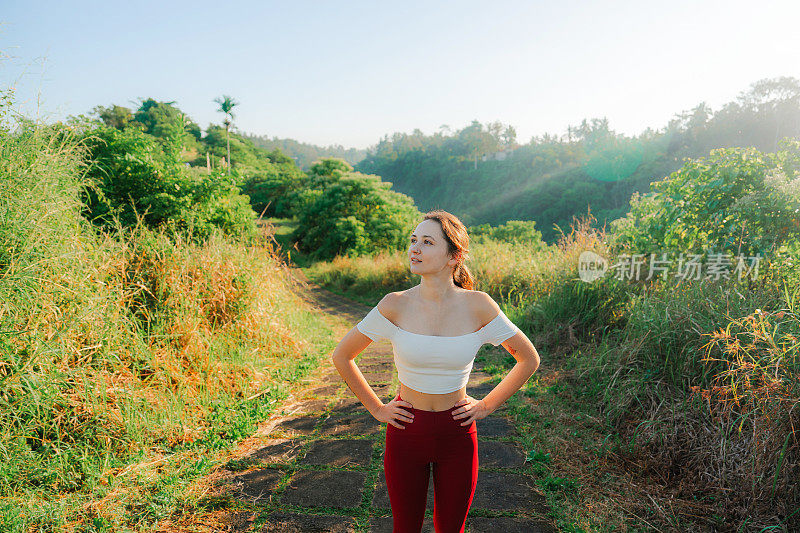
(349, 72)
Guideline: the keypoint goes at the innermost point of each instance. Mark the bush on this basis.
(356, 214)
(513, 231)
(131, 175)
(737, 200)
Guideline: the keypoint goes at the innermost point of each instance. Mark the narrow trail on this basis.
(317, 464)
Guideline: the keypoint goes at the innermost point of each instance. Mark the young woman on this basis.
(436, 328)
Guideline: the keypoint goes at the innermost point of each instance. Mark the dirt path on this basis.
(317, 465)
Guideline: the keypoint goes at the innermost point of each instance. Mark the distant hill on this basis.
(305, 154)
(484, 176)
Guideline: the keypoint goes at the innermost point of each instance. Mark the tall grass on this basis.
(755, 400)
(500, 268)
(127, 358)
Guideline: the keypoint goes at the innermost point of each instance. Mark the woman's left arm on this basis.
(522, 349)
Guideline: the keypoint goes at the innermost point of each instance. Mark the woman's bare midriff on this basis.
(431, 402)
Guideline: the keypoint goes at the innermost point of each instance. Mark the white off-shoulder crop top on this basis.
(431, 363)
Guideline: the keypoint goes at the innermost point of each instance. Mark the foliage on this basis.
(474, 171)
(152, 117)
(127, 358)
(273, 188)
(737, 200)
(132, 174)
(351, 214)
(176, 132)
(114, 116)
(327, 171)
(514, 231)
(156, 117)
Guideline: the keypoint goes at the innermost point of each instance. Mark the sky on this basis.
(350, 72)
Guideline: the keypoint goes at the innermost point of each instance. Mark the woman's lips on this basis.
(415, 260)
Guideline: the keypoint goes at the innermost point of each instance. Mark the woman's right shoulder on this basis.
(392, 302)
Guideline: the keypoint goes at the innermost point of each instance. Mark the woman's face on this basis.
(427, 249)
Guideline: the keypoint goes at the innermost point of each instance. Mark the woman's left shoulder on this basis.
(483, 305)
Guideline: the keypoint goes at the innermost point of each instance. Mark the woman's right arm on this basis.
(343, 357)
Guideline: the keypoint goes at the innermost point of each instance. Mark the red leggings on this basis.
(433, 437)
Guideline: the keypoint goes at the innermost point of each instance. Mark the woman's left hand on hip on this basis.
(470, 409)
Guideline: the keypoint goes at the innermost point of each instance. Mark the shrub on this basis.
(131, 175)
(737, 199)
(356, 214)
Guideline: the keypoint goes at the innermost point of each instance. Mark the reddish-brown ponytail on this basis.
(455, 233)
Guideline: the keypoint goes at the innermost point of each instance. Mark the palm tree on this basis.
(226, 105)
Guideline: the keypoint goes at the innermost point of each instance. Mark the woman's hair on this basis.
(455, 233)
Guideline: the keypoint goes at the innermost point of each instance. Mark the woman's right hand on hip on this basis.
(393, 413)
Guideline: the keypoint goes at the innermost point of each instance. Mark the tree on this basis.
(775, 97)
(479, 142)
(509, 137)
(226, 105)
(358, 214)
(153, 114)
(158, 119)
(115, 116)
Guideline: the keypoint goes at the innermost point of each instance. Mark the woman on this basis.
(436, 328)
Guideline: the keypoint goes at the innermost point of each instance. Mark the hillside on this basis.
(484, 175)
